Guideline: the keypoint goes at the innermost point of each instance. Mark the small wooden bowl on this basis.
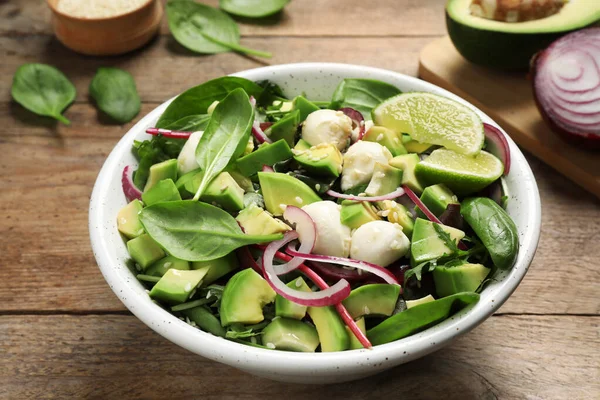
(107, 36)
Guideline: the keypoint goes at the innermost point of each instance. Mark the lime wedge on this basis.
(429, 118)
(462, 174)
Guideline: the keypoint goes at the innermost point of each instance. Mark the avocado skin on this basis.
(498, 50)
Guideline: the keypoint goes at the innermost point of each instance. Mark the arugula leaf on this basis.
(253, 8)
(43, 89)
(419, 270)
(362, 94)
(196, 231)
(205, 29)
(445, 236)
(225, 138)
(115, 94)
(195, 101)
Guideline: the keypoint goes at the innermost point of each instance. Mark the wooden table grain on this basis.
(63, 334)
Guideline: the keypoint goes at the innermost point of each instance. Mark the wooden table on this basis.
(63, 334)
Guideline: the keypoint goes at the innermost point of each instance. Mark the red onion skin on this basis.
(357, 118)
(168, 133)
(267, 168)
(494, 135)
(259, 134)
(246, 260)
(265, 125)
(590, 140)
(129, 189)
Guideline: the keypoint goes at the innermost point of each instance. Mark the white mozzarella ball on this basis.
(333, 237)
(327, 126)
(359, 162)
(379, 242)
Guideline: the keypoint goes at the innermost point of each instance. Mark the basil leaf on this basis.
(43, 89)
(253, 8)
(196, 231)
(225, 137)
(362, 94)
(205, 29)
(191, 123)
(115, 94)
(195, 101)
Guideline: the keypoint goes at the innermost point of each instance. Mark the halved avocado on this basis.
(510, 45)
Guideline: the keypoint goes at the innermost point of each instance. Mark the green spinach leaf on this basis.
(362, 94)
(225, 137)
(43, 89)
(191, 123)
(195, 101)
(205, 29)
(253, 8)
(115, 94)
(196, 231)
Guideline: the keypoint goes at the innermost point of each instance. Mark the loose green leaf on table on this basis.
(194, 102)
(225, 137)
(115, 94)
(196, 231)
(43, 89)
(253, 8)
(205, 29)
(362, 94)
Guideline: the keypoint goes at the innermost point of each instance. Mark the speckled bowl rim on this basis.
(279, 363)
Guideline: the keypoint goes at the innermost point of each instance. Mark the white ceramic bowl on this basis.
(317, 80)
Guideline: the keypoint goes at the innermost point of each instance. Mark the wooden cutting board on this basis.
(508, 99)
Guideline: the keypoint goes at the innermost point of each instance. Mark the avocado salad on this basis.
(302, 225)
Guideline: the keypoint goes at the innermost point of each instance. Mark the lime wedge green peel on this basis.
(429, 118)
(461, 173)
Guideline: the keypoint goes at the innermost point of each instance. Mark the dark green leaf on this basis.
(205, 29)
(43, 89)
(226, 136)
(153, 151)
(195, 101)
(253, 8)
(271, 92)
(196, 231)
(115, 94)
(362, 94)
(420, 269)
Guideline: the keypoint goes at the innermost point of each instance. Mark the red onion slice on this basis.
(431, 216)
(169, 133)
(267, 168)
(357, 119)
(259, 134)
(499, 145)
(129, 189)
(376, 270)
(390, 196)
(246, 260)
(305, 231)
(265, 125)
(566, 83)
(328, 297)
(336, 272)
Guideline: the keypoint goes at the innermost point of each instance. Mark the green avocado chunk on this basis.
(287, 308)
(281, 190)
(304, 107)
(164, 190)
(436, 198)
(160, 267)
(385, 180)
(427, 244)
(412, 146)
(323, 159)
(357, 213)
(420, 317)
(256, 221)
(422, 300)
(511, 45)
(183, 180)
(373, 299)
(216, 268)
(144, 250)
(332, 331)
(223, 190)
(407, 163)
(354, 342)
(387, 138)
(244, 297)
(267, 154)
(176, 286)
(302, 145)
(290, 334)
(285, 128)
(460, 278)
(128, 221)
(163, 170)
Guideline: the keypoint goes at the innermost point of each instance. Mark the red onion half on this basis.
(357, 120)
(328, 297)
(497, 145)
(566, 83)
(169, 133)
(131, 191)
(390, 196)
